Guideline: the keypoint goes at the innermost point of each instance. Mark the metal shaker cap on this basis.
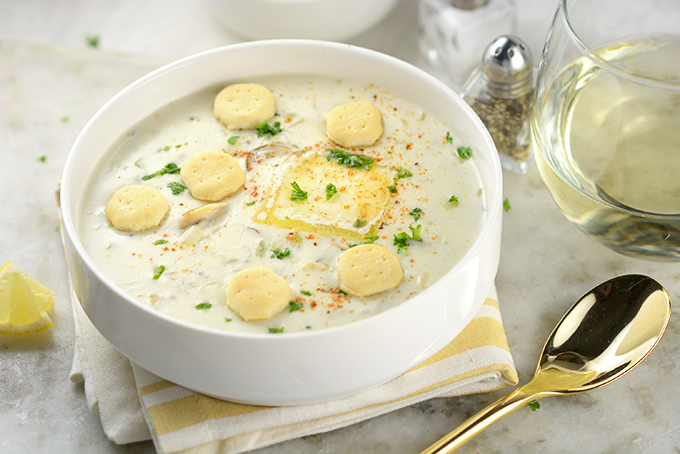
(507, 67)
(469, 4)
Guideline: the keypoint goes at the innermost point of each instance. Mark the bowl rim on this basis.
(494, 205)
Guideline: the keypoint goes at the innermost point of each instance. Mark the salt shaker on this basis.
(453, 33)
(501, 91)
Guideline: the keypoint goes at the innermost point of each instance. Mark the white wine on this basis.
(608, 146)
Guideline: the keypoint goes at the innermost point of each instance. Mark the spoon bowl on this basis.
(605, 334)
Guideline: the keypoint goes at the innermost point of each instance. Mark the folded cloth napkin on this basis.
(136, 405)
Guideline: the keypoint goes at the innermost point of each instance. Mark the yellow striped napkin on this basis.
(135, 404)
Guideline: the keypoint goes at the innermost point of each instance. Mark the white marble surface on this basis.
(48, 73)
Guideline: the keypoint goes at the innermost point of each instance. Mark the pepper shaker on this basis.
(453, 33)
(501, 92)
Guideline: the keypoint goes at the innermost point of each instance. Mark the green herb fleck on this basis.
(350, 159)
(295, 306)
(401, 239)
(415, 232)
(416, 213)
(342, 292)
(227, 320)
(359, 223)
(42, 158)
(534, 405)
(401, 242)
(370, 239)
(65, 119)
(449, 139)
(176, 188)
(298, 194)
(92, 40)
(158, 271)
(453, 199)
(506, 205)
(170, 168)
(250, 204)
(331, 190)
(306, 292)
(157, 242)
(166, 148)
(265, 128)
(403, 173)
(464, 152)
(392, 189)
(276, 254)
(233, 139)
(202, 306)
(276, 330)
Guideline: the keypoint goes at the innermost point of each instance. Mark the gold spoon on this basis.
(606, 333)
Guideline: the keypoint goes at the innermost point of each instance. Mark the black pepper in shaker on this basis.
(501, 92)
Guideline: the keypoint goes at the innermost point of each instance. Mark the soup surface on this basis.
(429, 214)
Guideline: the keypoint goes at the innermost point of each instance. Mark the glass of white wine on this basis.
(606, 122)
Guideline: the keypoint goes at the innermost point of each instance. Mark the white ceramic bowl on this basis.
(299, 367)
(334, 20)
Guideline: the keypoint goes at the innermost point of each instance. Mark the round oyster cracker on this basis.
(136, 208)
(210, 176)
(257, 293)
(355, 124)
(244, 106)
(368, 269)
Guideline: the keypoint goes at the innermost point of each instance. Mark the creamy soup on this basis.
(432, 213)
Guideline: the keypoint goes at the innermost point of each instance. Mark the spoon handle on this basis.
(479, 422)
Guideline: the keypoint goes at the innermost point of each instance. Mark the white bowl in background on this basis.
(293, 368)
(333, 20)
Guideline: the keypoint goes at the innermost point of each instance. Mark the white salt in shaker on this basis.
(454, 33)
(501, 92)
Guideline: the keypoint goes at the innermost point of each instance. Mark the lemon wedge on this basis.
(24, 303)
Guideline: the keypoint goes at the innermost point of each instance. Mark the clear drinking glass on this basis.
(606, 122)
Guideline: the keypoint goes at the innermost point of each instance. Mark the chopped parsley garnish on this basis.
(233, 139)
(276, 330)
(305, 292)
(176, 188)
(42, 158)
(392, 189)
(401, 242)
(464, 152)
(350, 159)
(416, 213)
(368, 239)
(265, 128)
(157, 242)
(295, 306)
(415, 232)
(331, 190)
(158, 271)
(534, 405)
(403, 173)
(359, 223)
(249, 204)
(227, 320)
(506, 205)
(298, 194)
(453, 199)
(202, 306)
(276, 254)
(65, 119)
(92, 40)
(449, 139)
(170, 168)
(401, 239)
